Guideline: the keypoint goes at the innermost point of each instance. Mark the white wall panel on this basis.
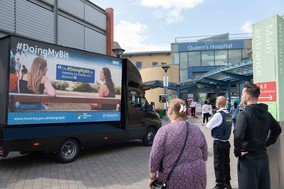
(70, 33)
(83, 27)
(34, 21)
(7, 18)
(95, 17)
(73, 7)
(95, 42)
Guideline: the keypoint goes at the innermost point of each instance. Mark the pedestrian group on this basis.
(179, 153)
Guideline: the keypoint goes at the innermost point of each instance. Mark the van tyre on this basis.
(149, 136)
(68, 151)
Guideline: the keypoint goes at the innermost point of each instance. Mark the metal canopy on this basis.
(235, 73)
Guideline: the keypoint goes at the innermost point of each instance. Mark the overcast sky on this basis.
(152, 25)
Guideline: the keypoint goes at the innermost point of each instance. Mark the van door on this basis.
(137, 108)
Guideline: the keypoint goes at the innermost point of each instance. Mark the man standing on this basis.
(221, 124)
(255, 130)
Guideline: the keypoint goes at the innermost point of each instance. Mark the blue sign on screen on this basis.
(72, 73)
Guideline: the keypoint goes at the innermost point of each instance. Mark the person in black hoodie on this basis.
(255, 130)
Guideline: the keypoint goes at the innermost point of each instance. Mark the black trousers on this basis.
(192, 111)
(205, 117)
(253, 173)
(234, 122)
(222, 162)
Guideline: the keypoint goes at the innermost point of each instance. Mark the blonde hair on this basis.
(222, 101)
(178, 106)
(36, 74)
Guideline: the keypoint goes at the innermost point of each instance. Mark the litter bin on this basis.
(161, 113)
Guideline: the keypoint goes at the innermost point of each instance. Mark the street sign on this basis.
(162, 98)
(267, 91)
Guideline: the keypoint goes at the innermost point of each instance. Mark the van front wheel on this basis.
(149, 136)
(68, 151)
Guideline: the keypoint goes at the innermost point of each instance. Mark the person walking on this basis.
(234, 111)
(190, 170)
(255, 130)
(221, 124)
(205, 112)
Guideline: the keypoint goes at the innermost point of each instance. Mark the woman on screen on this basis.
(107, 89)
(35, 82)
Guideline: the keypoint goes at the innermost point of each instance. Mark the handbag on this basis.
(158, 185)
(162, 185)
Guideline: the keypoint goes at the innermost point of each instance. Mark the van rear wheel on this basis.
(68, 151)
(149, 136)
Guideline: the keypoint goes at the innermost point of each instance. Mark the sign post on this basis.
(268, 74)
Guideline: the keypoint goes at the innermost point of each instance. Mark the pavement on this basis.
(117, 166)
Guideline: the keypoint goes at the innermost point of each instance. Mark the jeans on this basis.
(30, 106)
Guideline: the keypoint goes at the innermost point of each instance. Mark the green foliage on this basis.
(60, 85)
(96, 87)
(83, 87)
(118, 90)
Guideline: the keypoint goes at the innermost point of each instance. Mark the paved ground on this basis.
(119, 166)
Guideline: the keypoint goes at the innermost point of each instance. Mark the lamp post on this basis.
(118, 52)
(166, 84)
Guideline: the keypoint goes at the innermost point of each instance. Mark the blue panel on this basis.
(211, 46)
(73, 73)
(19, 118)
(189, 74)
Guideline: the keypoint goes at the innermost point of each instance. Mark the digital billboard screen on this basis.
(55, 84)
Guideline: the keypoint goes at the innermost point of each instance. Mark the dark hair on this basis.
(24, 70)
(108, 79)
(205, 102)
(235, 104)
(252, 89)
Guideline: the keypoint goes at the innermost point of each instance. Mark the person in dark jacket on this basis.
(255, 130)
(221, 124)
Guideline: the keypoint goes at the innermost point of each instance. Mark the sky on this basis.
(152, 25)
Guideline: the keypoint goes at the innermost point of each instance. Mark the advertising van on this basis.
(61, 100)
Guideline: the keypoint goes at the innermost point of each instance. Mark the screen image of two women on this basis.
(36, 82)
